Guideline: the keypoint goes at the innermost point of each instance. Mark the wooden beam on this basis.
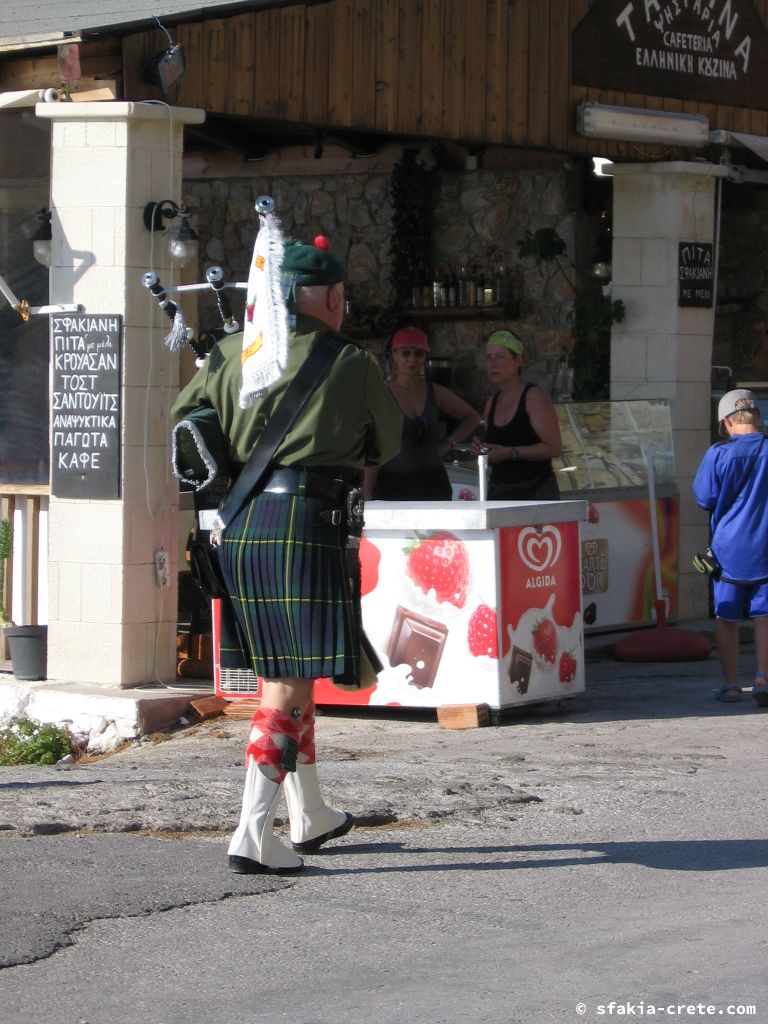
(363, 105)
(385, 65)
(519, 67)
(215, 49)
(409, 70)
(240, 64)
(454, 69)
(474, 114)
(538, 86)
(191, 87)
(340, 60)
(316, 63)
(32, 561)
(291, 63)
(496, 78)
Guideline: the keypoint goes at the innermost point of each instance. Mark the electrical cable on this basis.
(154, 514)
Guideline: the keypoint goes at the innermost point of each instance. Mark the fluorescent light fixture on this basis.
(637, 124)
(602, 166)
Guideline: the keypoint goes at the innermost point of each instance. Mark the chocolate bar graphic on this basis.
(520, 669)
(417, 642)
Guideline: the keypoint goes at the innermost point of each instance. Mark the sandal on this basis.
(729, 694)
(760, 690)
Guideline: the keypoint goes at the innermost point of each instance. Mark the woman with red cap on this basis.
(417, 473)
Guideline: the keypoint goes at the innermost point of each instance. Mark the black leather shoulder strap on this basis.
(310, 373)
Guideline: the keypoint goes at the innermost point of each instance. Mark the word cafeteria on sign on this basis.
(695, 274)
(707, 51)
(86, 351)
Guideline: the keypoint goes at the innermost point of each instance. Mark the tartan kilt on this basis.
(294, 611)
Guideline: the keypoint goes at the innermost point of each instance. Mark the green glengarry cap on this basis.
(312, 264)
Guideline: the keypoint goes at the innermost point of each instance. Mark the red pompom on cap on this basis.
(321, 242)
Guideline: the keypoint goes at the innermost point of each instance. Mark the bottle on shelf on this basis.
(416, 291)
(490, 292)
(462, 295)
(438, 289)
(480, 294)
(449, 284)
(426, 289)
(499, 284)
(472, 288)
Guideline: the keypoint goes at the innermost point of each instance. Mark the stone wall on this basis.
(479, 217)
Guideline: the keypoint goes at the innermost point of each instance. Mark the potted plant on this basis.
(591, 318)
(27, 645)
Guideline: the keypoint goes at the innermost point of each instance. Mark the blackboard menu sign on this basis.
(695, 274)
(86, 351)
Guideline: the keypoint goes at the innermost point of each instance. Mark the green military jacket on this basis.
(350, 420)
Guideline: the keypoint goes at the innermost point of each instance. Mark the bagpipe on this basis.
(180, 334)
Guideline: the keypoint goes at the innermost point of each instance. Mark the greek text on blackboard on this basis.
(695, 274)
(85, 398)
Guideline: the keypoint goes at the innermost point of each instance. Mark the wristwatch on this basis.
(513, 453)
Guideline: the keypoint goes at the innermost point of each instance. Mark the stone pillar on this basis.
(662, 350)
(109, 623)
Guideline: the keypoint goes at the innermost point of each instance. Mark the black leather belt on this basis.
(285, 480)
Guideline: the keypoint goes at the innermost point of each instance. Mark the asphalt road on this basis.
(538, 871)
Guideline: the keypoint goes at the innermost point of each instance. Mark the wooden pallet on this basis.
(208, 707)
(464, 716)
(241, 708)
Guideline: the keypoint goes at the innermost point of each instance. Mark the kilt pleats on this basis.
(294, 608)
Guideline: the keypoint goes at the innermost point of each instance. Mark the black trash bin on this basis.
(29, 651)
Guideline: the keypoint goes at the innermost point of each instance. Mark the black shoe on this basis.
(313, 845)
(246, 866)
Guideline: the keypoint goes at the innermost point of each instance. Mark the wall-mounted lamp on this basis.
(166, 69)
(637, 124)
(39, 233)
(182, 239)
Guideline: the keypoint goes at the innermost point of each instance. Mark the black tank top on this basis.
(517, 433)
(419, 439)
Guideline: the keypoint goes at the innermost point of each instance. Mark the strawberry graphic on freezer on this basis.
(438, 564)
(474, 615)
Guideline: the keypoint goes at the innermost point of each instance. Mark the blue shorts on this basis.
(732, 598)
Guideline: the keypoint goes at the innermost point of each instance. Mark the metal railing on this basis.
(26, 505)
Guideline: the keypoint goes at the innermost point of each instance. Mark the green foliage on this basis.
(543, 246)
(411, 187)
(24, 741)
(6, 546)
(591, 321)
(5, 538)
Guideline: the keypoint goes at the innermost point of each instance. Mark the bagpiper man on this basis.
(295, 610)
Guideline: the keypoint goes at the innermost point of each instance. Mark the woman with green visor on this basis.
(522, 434)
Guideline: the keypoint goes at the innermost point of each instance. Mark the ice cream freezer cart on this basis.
(465, 603)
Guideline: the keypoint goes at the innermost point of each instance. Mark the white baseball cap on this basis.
(727, 404)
